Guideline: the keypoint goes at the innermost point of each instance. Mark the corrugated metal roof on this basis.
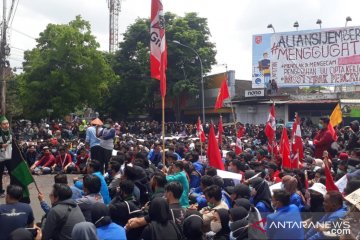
(318, 101)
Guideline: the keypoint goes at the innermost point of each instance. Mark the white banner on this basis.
(321, 57)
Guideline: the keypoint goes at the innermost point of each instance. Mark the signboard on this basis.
(321, 57)
(254, 93)
(350, 110)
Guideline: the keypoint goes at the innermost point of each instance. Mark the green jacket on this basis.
(181, 177)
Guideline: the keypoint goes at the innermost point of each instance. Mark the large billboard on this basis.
(321, 57)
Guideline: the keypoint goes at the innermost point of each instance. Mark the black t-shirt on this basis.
(13, 216)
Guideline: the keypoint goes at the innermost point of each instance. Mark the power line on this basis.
(16, 59)
(27, 35)
(17, 3)
(20, 49)
(16, 54)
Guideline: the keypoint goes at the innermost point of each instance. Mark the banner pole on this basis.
(22, 158)
(163, 129)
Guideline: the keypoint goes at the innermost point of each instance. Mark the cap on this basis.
(319, 187)
(47, 125)
(343, 156)
(46, 147)
(355, 122)
(3, 118)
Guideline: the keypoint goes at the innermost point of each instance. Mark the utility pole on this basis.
(114, 10)
(4, 50)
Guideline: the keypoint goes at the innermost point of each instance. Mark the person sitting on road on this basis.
(94, 168)
(63, 215)
(63, 161)
(92, 185)
(44, 164)
(14, 214)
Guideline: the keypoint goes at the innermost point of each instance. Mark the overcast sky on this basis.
(232, 22)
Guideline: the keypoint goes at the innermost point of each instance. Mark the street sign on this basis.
(254, 93)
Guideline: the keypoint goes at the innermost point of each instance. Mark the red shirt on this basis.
(46, 161)
(62, 161)
(80, 160)
(322, 142)
(275, 177)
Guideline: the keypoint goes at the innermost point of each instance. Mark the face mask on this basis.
(107, 125)
(211, 205)
(320, 126)
(215, 226)
(339, 171)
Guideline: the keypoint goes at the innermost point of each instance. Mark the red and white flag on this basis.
(271, 125)
(238, 144)
(223, 94)
(158, 51)
(200, 131)
(220, 131)
(297, 144)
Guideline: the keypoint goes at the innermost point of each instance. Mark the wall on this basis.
(260, 116)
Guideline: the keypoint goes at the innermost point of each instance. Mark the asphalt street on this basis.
(44, 183)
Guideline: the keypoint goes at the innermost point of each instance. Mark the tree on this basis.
(137, 92)
(65, 71)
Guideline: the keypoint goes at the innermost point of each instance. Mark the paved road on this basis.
(44, 183)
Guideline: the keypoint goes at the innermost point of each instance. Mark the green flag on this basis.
(19, 170)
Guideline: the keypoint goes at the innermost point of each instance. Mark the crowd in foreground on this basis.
(129, 192)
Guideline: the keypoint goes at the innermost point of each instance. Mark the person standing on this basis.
(323, 138)
(5, 148)
(106, 136)
(179, 175)
(93, 142)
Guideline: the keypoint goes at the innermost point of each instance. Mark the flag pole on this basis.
(201, 151)
(231, 105)
(27, 166)
(163, 128)
(298, 159)
(274, 138)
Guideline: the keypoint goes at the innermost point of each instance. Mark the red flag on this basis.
(332, 131)
(223, 94)
(200, 131)
(213, 151)
(285, 149)
(306, 180)
(238, 145)
(220, 131)
(158, 51)
(297, 144)
(271, 125)
(329, 183)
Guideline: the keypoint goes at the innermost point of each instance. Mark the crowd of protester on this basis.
(128, 191)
